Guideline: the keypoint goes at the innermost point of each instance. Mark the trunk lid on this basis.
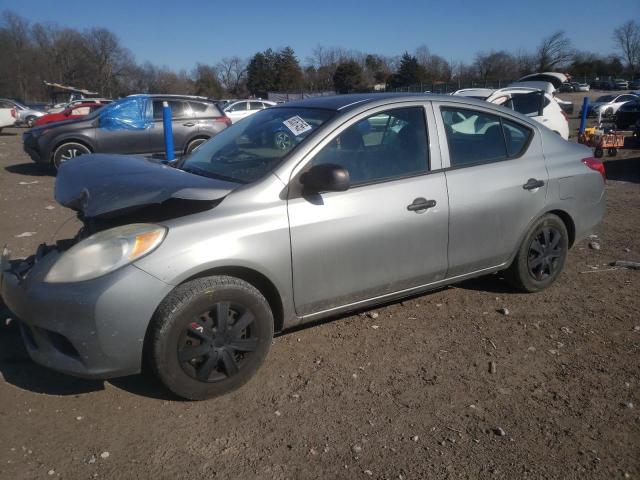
(101, 185)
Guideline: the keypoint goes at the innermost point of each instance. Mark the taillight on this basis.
(224, 119)
(13, 112)
(595, 164)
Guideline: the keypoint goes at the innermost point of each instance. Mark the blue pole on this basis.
(168, 131)
(583, 120)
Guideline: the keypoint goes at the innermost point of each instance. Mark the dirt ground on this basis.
(408, 393)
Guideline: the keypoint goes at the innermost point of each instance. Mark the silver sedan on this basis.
(303, 211)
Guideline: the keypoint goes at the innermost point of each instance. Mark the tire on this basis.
(67, 151)
(541, 257)
(193, 144)
(598, 152)
(30, 121)
(187, 353)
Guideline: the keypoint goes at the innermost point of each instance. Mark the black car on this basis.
(628, 114)
(132, 125)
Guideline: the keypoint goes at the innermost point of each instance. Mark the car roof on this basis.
(171, 95)
(347, 102)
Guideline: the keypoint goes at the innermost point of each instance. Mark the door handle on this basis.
(420, 204)
(189, 124)
(533, 183)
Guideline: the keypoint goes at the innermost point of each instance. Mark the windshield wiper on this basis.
(206, 173)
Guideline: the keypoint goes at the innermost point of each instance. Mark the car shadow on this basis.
(30, 169)
(17, 369)
(8, 134)
(623, 169)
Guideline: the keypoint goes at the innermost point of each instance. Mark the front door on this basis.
(388, 231)
(497, 183)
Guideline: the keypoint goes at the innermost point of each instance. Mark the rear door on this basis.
(183, 124)
(371, 240)
(497, 183)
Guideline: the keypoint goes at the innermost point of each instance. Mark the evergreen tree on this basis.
(289, 76)
(409, 72)
(349, 77)
(262, 73)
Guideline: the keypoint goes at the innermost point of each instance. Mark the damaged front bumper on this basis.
(90, 329)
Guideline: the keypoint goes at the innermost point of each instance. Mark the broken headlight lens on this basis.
(105, 252)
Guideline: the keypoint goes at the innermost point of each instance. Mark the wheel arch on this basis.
(258, 280)
(59, 142)
(568, 223)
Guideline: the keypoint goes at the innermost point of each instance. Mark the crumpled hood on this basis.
(104, 185)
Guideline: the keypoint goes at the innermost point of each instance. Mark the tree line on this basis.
(96, 60)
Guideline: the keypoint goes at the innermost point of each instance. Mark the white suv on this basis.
(527, 101)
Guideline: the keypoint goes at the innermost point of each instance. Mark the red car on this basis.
(77, 111)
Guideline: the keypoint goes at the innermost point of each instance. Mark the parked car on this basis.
(628, 114)
(634, 84)
(527, 101)
(608, 105)
(77, 111)
(621, 84)
(7, 115)
(583, 87)
(132, 125)
(60, 107)
(243, 108)
(192, 269)
(569, 87)
(24, 115)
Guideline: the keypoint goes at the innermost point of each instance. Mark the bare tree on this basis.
(494, 66)
(232, 72)
(627, 40)
(554, 51)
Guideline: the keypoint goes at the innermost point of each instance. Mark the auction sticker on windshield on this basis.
(297, 125)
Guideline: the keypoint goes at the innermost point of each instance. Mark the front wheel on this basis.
(31, 120)
(210, 336)
(541, 257)
(67, 151)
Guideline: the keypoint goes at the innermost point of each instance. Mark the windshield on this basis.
(605, 98)
(253, 147)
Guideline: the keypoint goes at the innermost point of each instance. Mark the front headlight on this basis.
(105, 252)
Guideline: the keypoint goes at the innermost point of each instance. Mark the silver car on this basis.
(192, 267)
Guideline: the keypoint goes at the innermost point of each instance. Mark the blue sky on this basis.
(179, 34)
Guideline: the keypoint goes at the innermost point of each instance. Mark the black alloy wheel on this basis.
(545, 250)
(217, 343)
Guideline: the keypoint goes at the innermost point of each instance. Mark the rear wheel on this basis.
(67, 151)
(210, 336)
(598, 152)
(194, 144)
(541, 257)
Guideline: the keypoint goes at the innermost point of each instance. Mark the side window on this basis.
(239, 107)
(255, 106)
(516, 136)
(265, 105)
(383, 146)
(198, 108)
(80, 111)
(476, 139)
(177, 109)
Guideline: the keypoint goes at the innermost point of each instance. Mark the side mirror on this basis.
(327, 177)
